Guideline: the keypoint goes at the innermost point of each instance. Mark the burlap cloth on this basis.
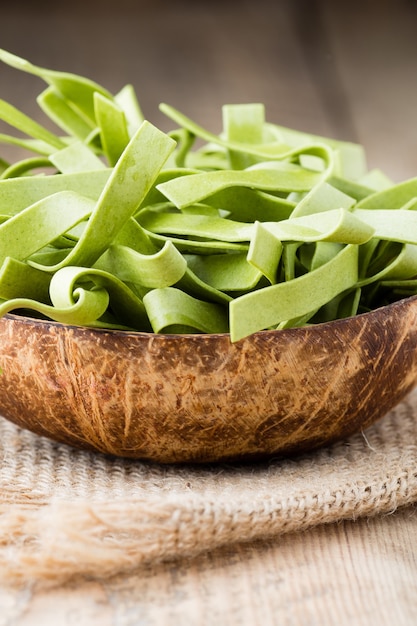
(66, 513)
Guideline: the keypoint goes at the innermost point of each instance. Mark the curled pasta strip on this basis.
(162, 269)
(171, 310)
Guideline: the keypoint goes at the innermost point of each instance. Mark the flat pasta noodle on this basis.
(41, 223)
(112, 122)
(275, 304)
(285, 177)
(60, 111)
(12, 116)
(16, 194)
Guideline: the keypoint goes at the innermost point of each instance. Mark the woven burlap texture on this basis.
(66, 513)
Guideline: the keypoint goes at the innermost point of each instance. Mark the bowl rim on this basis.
(46, 323)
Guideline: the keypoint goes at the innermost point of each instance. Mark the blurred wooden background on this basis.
(344, 69)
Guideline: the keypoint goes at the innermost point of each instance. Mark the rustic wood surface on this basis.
(362, 573)
(346, 69)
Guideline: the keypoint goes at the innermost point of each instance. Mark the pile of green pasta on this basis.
(112, 223)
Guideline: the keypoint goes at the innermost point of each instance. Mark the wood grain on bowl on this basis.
(200, 398)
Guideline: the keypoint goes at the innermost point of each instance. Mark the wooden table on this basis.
(342, 69)
(362, 573)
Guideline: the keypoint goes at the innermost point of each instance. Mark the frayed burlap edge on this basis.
(62, 540)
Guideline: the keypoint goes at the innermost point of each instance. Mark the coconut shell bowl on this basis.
(201, 398)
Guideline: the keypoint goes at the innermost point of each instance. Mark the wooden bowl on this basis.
(199, 398)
